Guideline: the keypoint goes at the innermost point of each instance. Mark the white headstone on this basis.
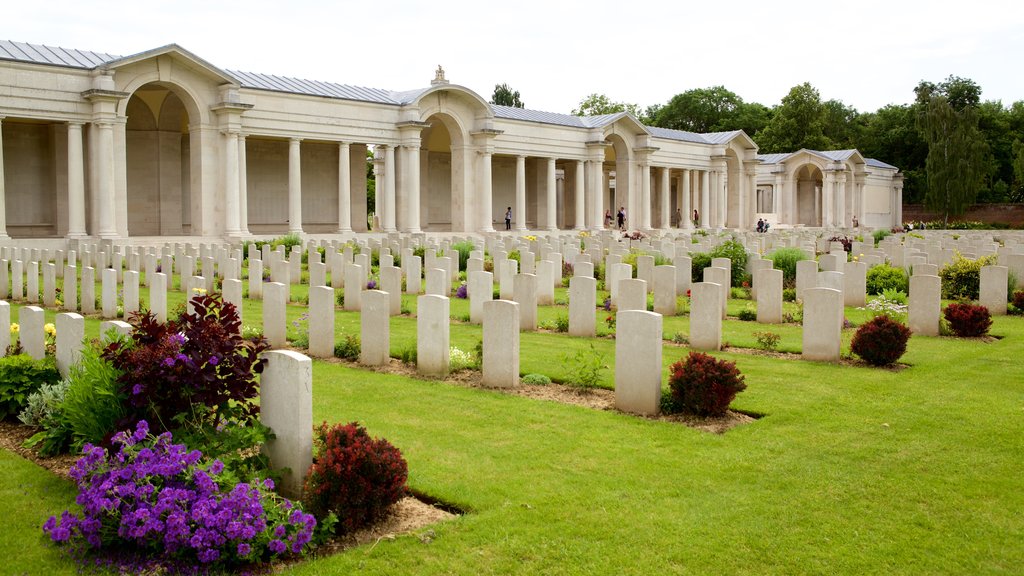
(638, 361)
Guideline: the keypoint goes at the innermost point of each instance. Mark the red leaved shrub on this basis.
(968, 320)
(704, 385)
(353, 475)
(880, 341)
(1018, 301)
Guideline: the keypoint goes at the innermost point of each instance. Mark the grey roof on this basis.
(40, 54)
(833, 155)
(680, 135)
(879, 164)
(773, 158)
(721, 137)
(527, 115)
(313, 87)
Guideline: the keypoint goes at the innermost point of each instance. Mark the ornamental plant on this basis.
(880, 341)
(1017, 300)
(968, 320)
(703, 385)
(961, 278)
(785, 259)
(353, 476)
(20, 376)
(884, 277)
(160, 499)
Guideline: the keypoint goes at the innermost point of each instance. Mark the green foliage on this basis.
(585, 367)
(961, 278)
(349, 347)
(785, 259)
(885, 277)
(713, 109)
(534, 378)
(20, 376)
(597, 104)
(44, 410)
(562, 323)
(789, 294)
(798, 122)
(698, 262)
(408, 355)
(505, 96)
(463, 248)
(880, 235)
(895, 295)
(93, 404)
(748, 313)
(768, 341)
(735, 252)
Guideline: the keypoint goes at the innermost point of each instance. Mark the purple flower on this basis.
(276, 546)
(371, 285)
(462, 291)
(244, 549)
(268, 484)
(213, 361)
(137, 389)
(169, 362)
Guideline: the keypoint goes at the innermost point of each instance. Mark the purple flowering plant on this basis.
(462, 291)
(166, 502)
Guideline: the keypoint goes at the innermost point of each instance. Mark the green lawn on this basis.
(851, 470)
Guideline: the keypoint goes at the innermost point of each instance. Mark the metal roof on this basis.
(41, 54)
(879, 164)
(721, 137)
(312, 87)
(773, 158)
(833, 155)
(527, 115)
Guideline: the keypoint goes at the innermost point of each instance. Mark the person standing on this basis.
(608, 218)
(508, 218)
(696, 218)
(621, 216)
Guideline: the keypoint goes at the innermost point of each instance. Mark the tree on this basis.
(505, 96)
(892, 134)
(956, 155)
(799, 122)
(713, 109)
(842, 125)
(599, 104)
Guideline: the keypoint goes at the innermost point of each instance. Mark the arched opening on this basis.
(733, 178)
(158, 162)
(441, 172)
(31, 171)
(617, 160)
(808, 181)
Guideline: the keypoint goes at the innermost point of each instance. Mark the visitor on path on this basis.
(678, 219)
(608, 218)
(508, 218)
(696, 218)
(760, 225)
(856, 223)
(621, 216)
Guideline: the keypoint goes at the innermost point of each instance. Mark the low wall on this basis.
(1011, 214)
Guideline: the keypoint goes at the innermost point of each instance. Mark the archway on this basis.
(617, 155)
(158, 162)
(808, 180)
(440, 171)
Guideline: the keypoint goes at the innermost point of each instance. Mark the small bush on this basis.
(349, 347)
(680, 338)
(698, 262)
(961, 278)
(789, 294)
(880, 341)
(535, 378)
(846, 241)
(768, 341)
(353, 476)
(586, 367)
(562, 323)
(20, 376)
(735, 252)
(785, 259)
(879, 235)
(968, 320)
(409, 354)
(459, 359)
(44, 410)
(94, 404)
(704, 385)
(463, 249)
(1017, 300)
(748, 313)
(884, 277)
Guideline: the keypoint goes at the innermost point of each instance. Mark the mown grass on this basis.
(851, 470)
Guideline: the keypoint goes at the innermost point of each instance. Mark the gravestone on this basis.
(130, 293)
(501, 344)
(232, 289)
(993, 289)
(769, 295)
(275, 297)
(545, 283)
(925, 306)
(481, 291)
(632, 294)
(70, 291)
(70, 340)
(665, 290)
(353, 286)
(32, 337)
(321, 321)
(432, 335)
(720, 277)
(286, 407)
(582, 306)
(109, 290)
(391, 282)
(705, 316)
(525, 294)
(375, 328)
(158, 297)
(823, 324)
(638, 351)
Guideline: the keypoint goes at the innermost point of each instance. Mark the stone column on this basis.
(76, 182)
(552, 221)
(897, 203)
(387, 216)
(723, 197)
(705, 198)
(750, 200)
(665, 196)
(295, 186)
(3, 197)
(580, 191)
(344, 189)
(105, 179)
(841, 200)
(686, 208)
(827, 192)
(520, 213)
(412, 179)
(781, 201)
(232, 212)
(243, 186)
(716, 197)
(485, 193)
(645, 195)
(120, 156)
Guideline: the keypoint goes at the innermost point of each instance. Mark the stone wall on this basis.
(1011, 214)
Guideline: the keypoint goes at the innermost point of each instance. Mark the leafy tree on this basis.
(371, 182)
(713, 109)
(892, 134)
(598, 104)
(956, 154)
(505, 96)
(799, 122)
(843, 125)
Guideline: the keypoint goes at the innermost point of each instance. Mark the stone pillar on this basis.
(295, 186)
(705, 199)
(432, 335)
(344, 189)
(665, 196)
(3, 196)
(723, 197)
(232, 212)
(243, 186)
(105, 180)
(645, 196)
(501, 344)
(638, 361)
(76, 182)
(70, 337)
(485, 192)
(823, 324)
(552, 204)
(412, 195)
(827, 198)
(286, 407)
(579, 197)
(520, 213)
(840, 208)
(780, 201)
(387, 218)
(685, 207)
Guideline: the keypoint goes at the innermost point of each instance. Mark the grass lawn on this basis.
(851, 470)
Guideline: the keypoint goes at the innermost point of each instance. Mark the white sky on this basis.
(868, 53)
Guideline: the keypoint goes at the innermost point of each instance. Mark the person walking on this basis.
(608, 218)
(508, 218)
(621, 216)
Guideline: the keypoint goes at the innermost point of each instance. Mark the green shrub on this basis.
(748, 313)
(885, 277)
(735, 252)
(562, 323)
(704, 385)
(93, 405)
(789, 294)
(44, 410)
(1017, 300)
(961, 278)
(768, 341)
(20, 376)
(586, 367)
(880, 341)
(698, 262)
(535, 378)
(409, 354)
(463, 248)
(879, 235)
(785, 259)
(349, 347)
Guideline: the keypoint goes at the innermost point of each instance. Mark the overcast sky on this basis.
(867, 53)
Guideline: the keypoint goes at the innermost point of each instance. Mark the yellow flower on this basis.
(15, 328)
(199, 290)
(50, 329)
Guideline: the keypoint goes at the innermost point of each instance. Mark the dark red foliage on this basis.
(968, 320)
(355, 476)
(197, 359)
(880, 341)
(1018, 301)
(846, 241)
(704, 385)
